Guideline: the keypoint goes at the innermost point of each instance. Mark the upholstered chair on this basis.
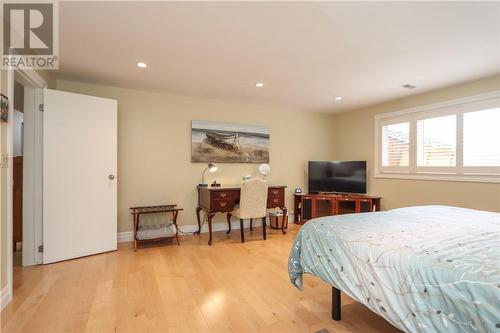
(253, 204)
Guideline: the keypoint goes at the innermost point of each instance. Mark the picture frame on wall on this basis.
(4, 108)
(217, 142)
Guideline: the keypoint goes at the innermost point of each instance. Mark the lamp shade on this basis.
(212, 167)
(264, 169)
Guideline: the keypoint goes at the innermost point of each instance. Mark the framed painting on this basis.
(4, 108)
(228, 143)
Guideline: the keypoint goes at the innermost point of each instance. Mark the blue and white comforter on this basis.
(424, 269)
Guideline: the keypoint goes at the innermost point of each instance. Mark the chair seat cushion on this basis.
(237, 213)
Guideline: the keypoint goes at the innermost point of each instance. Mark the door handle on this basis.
(111, 177)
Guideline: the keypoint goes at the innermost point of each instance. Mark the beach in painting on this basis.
(228, 143)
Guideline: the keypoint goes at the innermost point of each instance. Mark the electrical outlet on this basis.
(4, 163)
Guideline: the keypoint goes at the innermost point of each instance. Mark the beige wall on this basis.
(154, 146)
(354, 139)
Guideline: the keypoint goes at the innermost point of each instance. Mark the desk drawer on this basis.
(275, 192)
(275, 201)
(224, 195)
(222, 205)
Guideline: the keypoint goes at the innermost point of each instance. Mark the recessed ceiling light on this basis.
(259, 84)
(338, 98)
(409, 86)
(141, 65)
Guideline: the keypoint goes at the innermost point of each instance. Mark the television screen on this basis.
(337, 176)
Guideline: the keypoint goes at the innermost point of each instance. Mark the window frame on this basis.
(459, 172)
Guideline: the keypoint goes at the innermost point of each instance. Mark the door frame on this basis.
(34, 80)
(32, 173)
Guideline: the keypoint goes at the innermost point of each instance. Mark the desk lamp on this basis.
(210, 167)
(264, 170)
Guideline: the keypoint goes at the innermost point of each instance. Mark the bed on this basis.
(424, 269)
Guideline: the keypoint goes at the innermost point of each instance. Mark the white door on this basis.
(79, 175)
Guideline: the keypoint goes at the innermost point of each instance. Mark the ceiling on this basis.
(305, 53)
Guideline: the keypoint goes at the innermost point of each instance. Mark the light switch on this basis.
(4, 163)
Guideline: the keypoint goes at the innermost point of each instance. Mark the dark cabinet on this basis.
(309, 206)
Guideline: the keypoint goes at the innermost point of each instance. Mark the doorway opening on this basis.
(27, 151)
(17, 173)
(24, 185)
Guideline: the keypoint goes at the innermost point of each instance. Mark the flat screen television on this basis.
(337, 176)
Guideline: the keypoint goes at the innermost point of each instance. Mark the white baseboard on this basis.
(128, 236)
(5, 297)
(125, 236)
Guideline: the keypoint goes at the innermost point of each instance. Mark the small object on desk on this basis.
(215, 184)
(155, 232)
(210, 167)
(298, 190)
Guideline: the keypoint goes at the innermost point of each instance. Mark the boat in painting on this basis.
(226, 141)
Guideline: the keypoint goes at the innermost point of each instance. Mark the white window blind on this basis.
(453, 140)
(395, 144)
(482, 138)
(436, 141)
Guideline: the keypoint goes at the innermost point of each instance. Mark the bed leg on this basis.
(335, 304)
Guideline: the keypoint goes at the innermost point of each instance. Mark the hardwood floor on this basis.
(228, 287)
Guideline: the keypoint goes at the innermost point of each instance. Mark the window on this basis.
(436, 141)
(455, 140)
(395, 144)
(482, 138)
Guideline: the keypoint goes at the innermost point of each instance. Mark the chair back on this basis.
(253, 198)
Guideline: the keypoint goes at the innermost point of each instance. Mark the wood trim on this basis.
(437, 106)
(440, 177)
(17, 201)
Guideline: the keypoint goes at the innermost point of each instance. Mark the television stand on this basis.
(309, 206)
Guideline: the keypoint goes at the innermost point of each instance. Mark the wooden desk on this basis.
(223, 199)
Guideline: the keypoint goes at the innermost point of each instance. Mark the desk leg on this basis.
(210, 215)
(284, 224)
(264, 228)
(136, 228)
(198, 209)
(174, 215)
(228, 217)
